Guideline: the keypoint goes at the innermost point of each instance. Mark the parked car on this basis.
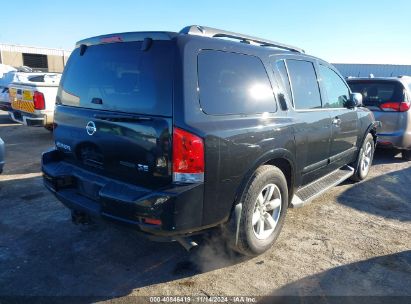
(15, 76)
(33, 101)
(176, 133)
(389, 99)
(2, 155)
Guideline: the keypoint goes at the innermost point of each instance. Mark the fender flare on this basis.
(266, 157)
(372, 128)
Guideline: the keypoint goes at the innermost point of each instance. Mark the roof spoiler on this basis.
(126, 37)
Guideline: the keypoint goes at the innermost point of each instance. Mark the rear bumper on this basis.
(179, 207)
(32, 120)
(397, 140)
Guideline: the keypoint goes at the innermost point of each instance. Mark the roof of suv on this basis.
(234, 41)
(193, 31)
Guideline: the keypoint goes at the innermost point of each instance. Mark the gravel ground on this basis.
(353, 240)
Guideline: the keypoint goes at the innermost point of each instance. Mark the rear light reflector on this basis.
(152, 221)
(395, 106)
(188, 157)
(38, 100)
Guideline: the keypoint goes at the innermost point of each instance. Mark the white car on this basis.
(15, 76)
(33, 100)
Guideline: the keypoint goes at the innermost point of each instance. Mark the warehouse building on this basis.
(37, 58)
(378, 70)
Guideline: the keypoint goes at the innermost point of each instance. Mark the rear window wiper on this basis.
(121, 117)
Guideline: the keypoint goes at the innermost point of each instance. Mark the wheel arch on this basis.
(282, 159)
(371, 129)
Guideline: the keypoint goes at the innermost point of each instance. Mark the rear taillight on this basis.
(38, 100)
(395, 106)
(188, 157)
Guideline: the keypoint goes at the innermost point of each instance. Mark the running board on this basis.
(318, 187)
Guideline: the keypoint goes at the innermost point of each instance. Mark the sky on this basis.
(339, 31)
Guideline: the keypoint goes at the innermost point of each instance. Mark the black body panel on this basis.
(176, 206)
(135, 151)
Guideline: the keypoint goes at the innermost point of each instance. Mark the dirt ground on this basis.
(354, 240)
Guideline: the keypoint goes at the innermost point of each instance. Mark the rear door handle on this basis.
(336, 121)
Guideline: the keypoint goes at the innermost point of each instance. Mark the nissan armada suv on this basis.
(176, 133)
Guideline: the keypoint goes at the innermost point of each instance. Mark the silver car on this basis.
(1, 155)
(389, 99)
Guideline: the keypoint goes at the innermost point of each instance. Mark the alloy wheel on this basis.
(266, 211)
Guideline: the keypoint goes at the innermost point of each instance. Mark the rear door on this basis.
(312, 126)
(344, 129)
(114, 112)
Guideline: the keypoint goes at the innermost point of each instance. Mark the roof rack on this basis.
(212, 32)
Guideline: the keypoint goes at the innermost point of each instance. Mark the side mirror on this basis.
(354, 101)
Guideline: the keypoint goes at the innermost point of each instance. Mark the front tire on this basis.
(264, 206)
(365, 159)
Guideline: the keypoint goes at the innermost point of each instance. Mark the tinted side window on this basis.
(337, 92)
(233, 83)
(304, 84)
(282, 69)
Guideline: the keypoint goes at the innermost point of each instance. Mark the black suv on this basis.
(176, 133)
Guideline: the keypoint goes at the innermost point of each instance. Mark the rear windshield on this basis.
(120, 77)
(377, 92)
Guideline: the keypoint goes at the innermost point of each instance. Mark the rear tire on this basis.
(49, 128)
(365, 159)
(406, 155)
(264, 206)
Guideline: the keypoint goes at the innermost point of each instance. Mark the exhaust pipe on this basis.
(186, 242)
